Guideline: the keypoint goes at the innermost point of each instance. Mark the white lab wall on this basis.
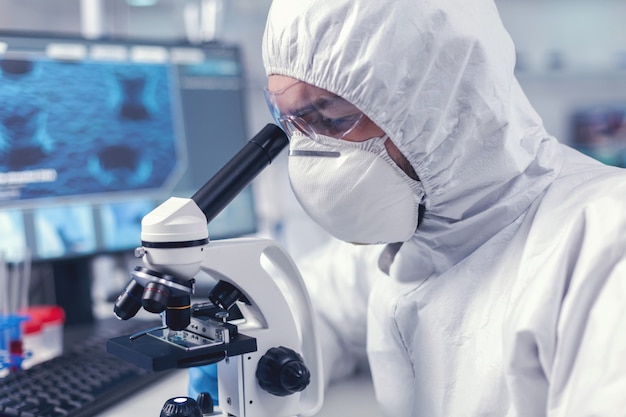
(571, 54)
(590, 35)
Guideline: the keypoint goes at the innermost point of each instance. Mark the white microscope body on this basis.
(269, 357)
(278, 313)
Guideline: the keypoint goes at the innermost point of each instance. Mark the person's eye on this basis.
(312, 118)
(344, 123)
(330, 126)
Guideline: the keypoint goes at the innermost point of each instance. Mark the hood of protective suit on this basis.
(438, 78)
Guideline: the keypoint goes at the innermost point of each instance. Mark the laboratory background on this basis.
(73, 243)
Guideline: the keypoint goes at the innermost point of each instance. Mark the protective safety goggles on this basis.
(318, 113)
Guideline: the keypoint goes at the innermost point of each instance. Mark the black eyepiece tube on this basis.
(242, 168)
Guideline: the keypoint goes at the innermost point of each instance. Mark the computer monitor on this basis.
(95, 134)
(600, 132)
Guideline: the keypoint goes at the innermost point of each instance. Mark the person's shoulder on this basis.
(595, 196)
(586, 184)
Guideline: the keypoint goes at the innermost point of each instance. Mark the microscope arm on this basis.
(278, 312)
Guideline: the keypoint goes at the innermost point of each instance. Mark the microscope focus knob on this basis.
(281, 372)
(181, 407)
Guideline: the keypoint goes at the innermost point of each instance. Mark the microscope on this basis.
(257, 323)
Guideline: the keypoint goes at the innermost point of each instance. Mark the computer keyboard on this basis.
(80, 383)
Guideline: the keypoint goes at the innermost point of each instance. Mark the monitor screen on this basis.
(86, 128)
(600, 132)
(94, 135)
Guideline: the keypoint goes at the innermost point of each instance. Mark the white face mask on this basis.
(354, 190)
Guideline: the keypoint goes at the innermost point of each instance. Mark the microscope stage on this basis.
(154, 353)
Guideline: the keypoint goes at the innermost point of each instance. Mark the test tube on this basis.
(20, 274)
(4, 314)
(16, 270)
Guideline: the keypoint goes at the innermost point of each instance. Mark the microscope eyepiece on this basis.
(240, 170)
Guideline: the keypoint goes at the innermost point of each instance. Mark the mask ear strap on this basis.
(420, 214)
(387, 256)
(391, 250)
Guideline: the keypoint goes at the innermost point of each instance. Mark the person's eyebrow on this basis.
(302, 111)
(324, 101)
(318, 103)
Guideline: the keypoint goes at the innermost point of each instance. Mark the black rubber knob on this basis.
(181, 407)
(205, 401)
(281, 372)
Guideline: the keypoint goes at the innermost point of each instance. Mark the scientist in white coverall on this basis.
(501, 290)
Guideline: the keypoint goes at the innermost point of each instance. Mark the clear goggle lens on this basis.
(323, 114)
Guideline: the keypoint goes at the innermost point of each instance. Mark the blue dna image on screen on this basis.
(90, 143)
(74, 128)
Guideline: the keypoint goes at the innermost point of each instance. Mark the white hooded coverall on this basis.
(510, 299)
